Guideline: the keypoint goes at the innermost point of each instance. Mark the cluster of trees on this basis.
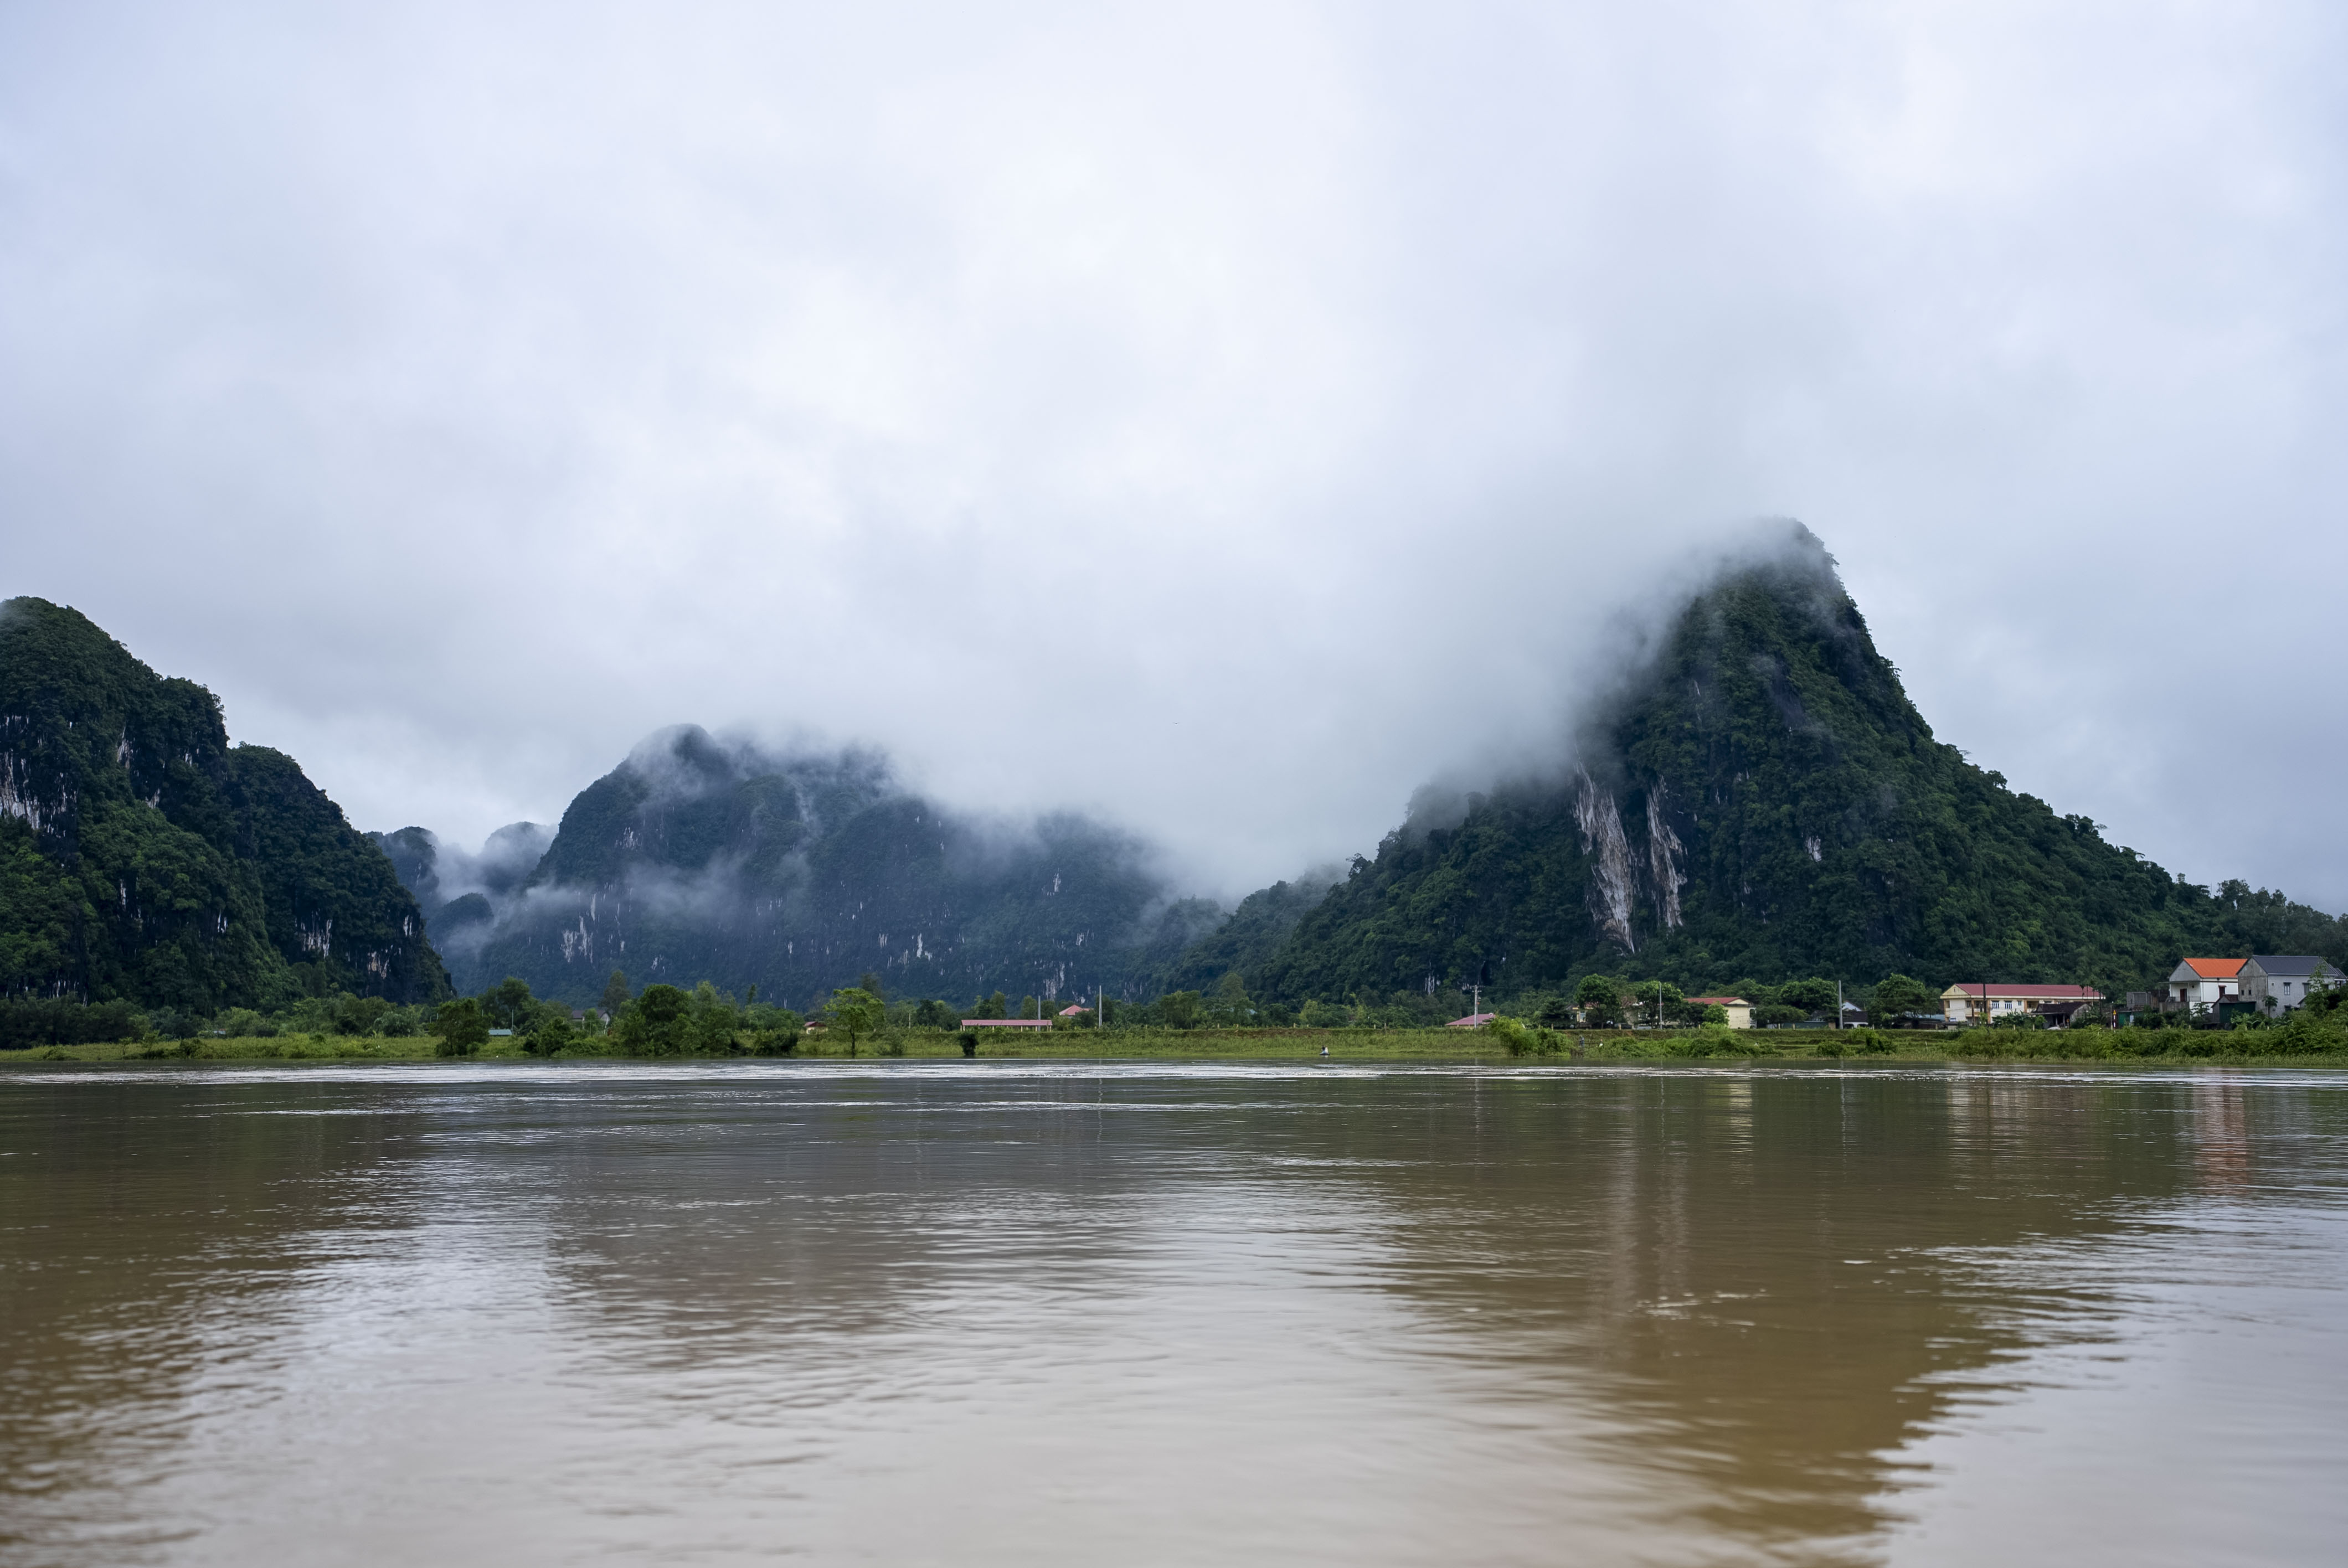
(1605, 1001)
(669, 1020)
(660, 1020)
(29, 1022)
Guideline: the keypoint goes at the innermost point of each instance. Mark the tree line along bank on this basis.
(666, 1020)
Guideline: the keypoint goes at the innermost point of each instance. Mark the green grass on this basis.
(2172, 1047)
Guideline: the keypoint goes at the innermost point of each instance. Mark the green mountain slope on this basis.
(1762, 801)
(696, 859)
(143, 858)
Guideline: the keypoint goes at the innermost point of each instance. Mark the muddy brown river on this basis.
(1028, 1313)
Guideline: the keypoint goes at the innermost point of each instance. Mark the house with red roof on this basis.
(2205, 982)
(1739, 1011)
(1990, 1001)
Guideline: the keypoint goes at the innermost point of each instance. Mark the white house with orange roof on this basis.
(2205, 982)
(1739, 1011)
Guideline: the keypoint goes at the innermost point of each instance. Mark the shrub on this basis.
(1714, 1040)
(37, 1021)
(657, 1023)
(462, 1027)
(1520, 1039)
(1181, 1010)
(358, 1015)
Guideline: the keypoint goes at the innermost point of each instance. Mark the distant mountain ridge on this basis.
(1761, 801)
(702, 859)
(143, 858)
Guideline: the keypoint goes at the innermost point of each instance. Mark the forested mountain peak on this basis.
(144, 858)
(703, 857)
(1757, 798)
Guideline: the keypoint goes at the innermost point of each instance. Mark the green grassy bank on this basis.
(2078, 1047)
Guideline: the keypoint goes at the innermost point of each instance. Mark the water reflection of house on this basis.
(1965, 1004)
(2221, 1133)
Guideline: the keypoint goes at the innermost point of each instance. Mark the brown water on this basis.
(1043, 1314)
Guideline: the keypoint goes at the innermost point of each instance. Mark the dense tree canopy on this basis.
(144, 858)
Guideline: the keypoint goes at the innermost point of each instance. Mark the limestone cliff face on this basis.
(143, 858)
(1761, 801)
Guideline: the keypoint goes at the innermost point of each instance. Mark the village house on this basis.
(2277, 982)
(2205, 982)
(1964, 1004)
(1739, 1011)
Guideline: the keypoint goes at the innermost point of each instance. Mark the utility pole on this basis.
(1838, 1001)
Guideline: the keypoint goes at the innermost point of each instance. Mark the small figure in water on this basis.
(1324, 1050)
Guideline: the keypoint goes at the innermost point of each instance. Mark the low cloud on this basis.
(1220, 420)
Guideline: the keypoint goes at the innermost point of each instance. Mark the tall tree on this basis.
(858, 1012)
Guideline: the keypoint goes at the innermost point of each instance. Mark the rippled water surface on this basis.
(1043, 1314)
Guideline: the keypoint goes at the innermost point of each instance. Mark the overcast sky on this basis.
(1222, 418)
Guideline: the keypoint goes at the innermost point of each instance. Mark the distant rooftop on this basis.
(2035, 993)
(2217, 969)
(2292, 965)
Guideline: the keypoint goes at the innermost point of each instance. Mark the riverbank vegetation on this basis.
(1503, 1041)
(1605, 1021)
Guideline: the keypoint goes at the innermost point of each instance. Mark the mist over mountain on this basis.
(1757, 799)
(143, 858)
(1754, 798)
(698, 859)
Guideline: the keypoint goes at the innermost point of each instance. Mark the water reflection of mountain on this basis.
(1762, 1275)
(1401, 1315)
(1758, 1279)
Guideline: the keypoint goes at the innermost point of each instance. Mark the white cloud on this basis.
(1223, 417)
